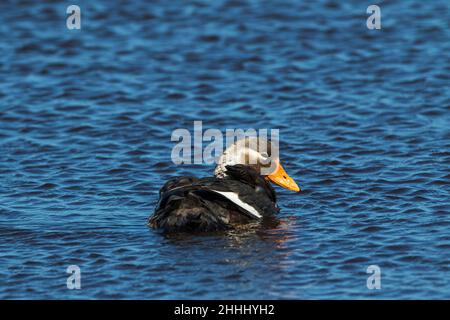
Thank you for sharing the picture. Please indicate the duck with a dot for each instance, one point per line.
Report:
(240, 192)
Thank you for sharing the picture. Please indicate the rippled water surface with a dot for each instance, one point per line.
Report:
(85, 124)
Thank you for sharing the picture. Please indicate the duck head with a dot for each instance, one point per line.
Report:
(261, 155)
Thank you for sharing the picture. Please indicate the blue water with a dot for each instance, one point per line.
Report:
(86, 118)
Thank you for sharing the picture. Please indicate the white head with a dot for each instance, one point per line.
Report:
(260, 154)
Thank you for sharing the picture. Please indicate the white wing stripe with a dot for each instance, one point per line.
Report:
(233, 197)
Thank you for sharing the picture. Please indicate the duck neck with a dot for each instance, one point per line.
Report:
(220, 171)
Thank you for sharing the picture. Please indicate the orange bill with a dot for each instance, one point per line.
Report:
(281, 178)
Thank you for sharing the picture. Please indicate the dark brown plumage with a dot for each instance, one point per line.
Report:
(211, 204)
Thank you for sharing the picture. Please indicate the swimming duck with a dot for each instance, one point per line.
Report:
(238, 193)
